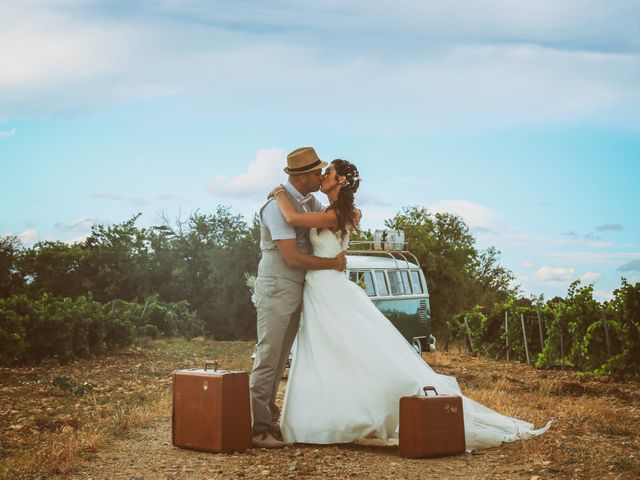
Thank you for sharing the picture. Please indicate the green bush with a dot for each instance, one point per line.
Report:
(573, 328)
(64, 328)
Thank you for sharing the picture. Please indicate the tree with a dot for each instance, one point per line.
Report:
(212, 254)
(10, 278)
(52, 267)
(626, 307)
(446, 251)
(116, 262)
(493, 282)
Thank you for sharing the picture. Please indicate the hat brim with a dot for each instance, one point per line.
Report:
(312, 169)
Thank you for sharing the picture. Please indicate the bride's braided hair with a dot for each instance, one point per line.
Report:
(346, 211)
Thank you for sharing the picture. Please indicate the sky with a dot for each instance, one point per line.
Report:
(522, 117)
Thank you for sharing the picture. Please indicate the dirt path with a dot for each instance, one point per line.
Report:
(148, 455)
(122, 429)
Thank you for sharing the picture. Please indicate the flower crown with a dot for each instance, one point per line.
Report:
(352, 178)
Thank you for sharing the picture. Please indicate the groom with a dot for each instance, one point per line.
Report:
(286, 255)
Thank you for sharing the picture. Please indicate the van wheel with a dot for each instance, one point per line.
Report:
(417, 346)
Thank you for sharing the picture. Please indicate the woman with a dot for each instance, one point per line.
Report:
(351, 365)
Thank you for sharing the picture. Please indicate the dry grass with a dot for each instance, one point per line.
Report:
(47, 431)
(60, 452)
(596, 432)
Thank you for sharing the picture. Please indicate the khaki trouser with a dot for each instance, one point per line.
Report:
(278, 302)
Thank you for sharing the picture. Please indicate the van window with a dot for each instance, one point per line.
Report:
(364, 280)
(395, 282)
(381, 283)
(417, 284)
(407, 282)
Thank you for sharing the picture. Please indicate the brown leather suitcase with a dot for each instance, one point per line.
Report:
(211, 410)
(431, 426)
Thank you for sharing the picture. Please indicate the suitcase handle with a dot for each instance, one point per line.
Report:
(427, 388)
(209, 363)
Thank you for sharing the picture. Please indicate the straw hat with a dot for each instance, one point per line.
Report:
(303, 160)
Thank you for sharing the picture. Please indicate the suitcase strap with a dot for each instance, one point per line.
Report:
(428, 388)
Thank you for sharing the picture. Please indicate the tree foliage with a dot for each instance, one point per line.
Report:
(187, 277)
(459, 276)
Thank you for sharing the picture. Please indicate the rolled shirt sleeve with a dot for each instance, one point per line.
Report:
(275, 222)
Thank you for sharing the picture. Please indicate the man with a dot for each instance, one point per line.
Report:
(286, 255)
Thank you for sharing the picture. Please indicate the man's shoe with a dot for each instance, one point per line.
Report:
(276, 433)
(266, 440)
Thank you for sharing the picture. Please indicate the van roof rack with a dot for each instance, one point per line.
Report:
(367, 247)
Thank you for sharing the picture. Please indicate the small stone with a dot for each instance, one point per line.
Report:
(187, 469)
(298, 453)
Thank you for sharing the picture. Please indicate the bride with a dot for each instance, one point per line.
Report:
(351, 365)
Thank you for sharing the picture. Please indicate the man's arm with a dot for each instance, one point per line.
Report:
(304, 261)
(317, 219)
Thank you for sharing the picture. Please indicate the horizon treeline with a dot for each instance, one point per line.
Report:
(196, 268)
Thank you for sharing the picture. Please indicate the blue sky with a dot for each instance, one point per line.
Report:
(522, 117)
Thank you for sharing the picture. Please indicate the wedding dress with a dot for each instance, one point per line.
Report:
(351, 366)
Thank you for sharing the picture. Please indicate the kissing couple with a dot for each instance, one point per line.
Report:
(351, 365)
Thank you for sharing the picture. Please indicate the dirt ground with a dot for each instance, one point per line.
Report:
(122, 429)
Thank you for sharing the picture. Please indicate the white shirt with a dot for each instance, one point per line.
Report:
(275, 222)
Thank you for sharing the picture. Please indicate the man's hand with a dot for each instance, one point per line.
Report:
(273, 192)
(342, 261)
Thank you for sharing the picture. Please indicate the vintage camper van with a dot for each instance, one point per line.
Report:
(394, 281)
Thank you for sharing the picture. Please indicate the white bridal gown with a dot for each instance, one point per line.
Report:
(351, 366)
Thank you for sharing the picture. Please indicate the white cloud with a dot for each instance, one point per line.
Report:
(516, 237)
(474, 214)
(28, 237)
(632, 266)
(603, 258)
(263, 174)
(171, 196)
(602, 295)
(83, 223)
(528, 264)
(438, 63)
(138, 201)
(609, 226)
(7, 133)
(106, 195)
(78, 239)
(373, 217)
(589, 277)
(371, 199)
(418, 181)
(549, 274)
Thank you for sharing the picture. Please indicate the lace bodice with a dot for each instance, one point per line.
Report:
(327, 243)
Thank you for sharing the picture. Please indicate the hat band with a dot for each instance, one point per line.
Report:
(306, 167)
